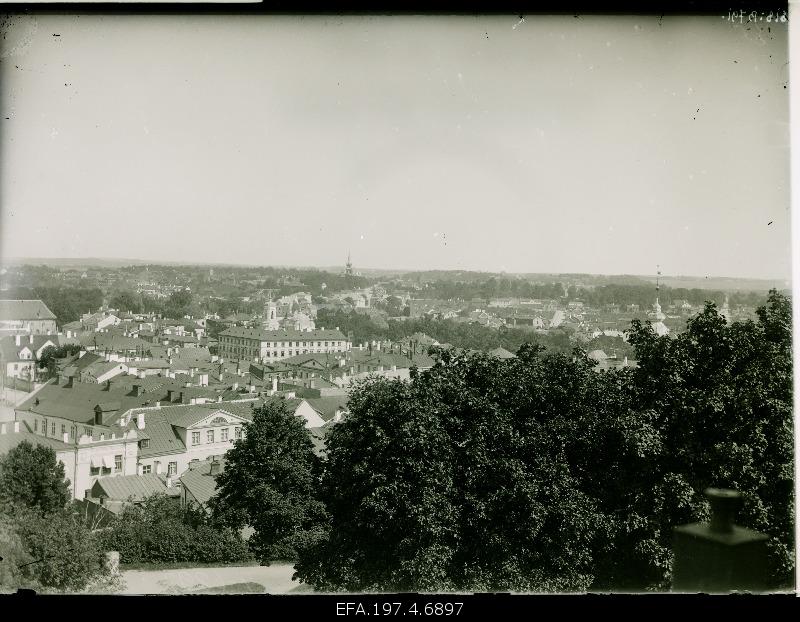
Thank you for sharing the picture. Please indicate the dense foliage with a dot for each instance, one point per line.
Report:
(32, 476)
(459, 334)
(539, 473)
(160, 530)
(60, 553)
(44, 543)
(269, 484)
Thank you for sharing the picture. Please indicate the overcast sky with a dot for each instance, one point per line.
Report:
(553, 144)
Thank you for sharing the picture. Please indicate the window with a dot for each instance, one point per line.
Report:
(195, 438)
(147, 469)
(118, 463)
(172, 468)
(63, 429)
(35, 425)
(224, 434)
(105, 471)
(237, 433)
(144, 443)
(210, 436)
(53, 428)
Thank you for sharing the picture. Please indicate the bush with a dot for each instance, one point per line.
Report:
(160, 531)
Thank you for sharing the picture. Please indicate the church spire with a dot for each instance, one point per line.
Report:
(348, 270)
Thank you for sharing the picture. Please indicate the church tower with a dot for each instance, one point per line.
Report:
(271, 316)
(348, 270)
(659, 326)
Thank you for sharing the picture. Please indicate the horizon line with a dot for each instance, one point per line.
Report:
(135, 261)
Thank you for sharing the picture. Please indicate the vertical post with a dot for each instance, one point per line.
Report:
(719, 556)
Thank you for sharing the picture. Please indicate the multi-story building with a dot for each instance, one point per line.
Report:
(273, 345)
(29, 317)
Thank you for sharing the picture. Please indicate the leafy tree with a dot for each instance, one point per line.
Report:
(178, 304)
(541, 473)
(456, 480)
(269, 484)
(51, 552)
(721, 398)
(32, 476)
(49, 358)
(160, 530)
(127, 300)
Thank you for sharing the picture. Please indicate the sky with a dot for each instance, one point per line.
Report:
(596, 144)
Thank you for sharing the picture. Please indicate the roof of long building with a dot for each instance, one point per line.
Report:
(283, 335)
(25, 310)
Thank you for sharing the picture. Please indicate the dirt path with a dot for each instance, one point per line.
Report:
(276, 579)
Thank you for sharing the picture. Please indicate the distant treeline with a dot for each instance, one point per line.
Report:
(617, 294)
(458, 334)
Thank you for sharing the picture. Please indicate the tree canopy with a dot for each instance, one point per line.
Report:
(269, 484)
(32, 476)
(540, 473)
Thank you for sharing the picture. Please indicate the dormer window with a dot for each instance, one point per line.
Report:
(144, 443)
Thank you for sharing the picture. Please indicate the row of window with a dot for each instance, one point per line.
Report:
(211, 435)
(282, 344)
(107, 470)
(172, 469)
(73, 431)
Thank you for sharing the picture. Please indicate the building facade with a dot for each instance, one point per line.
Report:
(266, 345)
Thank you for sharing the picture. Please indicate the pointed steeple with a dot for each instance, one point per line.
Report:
(658, 315)
(349, 267)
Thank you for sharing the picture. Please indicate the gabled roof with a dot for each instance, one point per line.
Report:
(502, 353)
(25, 310)
(9, 350)
(328, 406)
(128, 487)
(77, 403)
(195, 414)
(103, 367)
(199, 482)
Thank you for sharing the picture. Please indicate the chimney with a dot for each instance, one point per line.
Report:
(274, 384)
(108, 384)
(16, 427)
(70, 382)
(170, 395)
(251, 388)
(140, 420)
(17, 340)
(235, 386)
(158, 467)
(31, 339)
(137, 390)
(2, 428)
(216, 467)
